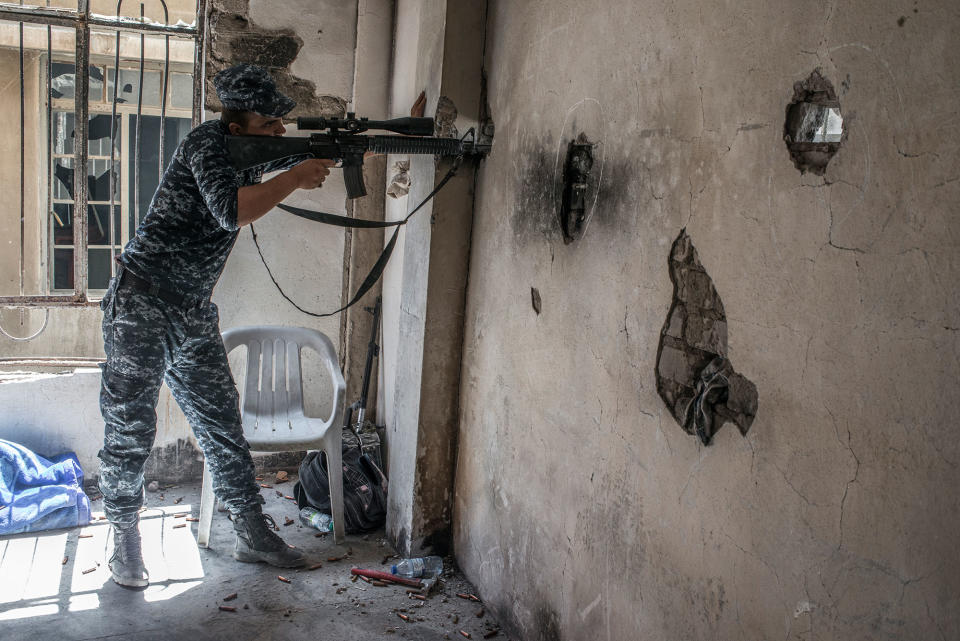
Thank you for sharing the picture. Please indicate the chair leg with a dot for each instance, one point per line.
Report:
(207, 501)
(332, 446)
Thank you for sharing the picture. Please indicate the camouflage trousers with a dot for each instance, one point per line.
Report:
(148, 341)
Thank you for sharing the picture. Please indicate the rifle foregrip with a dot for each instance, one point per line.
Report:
(405, 145)
(353, 181)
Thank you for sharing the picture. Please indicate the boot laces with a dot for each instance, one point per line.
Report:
(271, 526)
(261, 526)
(129, 544)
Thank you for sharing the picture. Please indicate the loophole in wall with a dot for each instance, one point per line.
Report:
(813, 129)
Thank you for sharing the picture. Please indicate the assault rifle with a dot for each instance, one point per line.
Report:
(373, 351)
(343, 141)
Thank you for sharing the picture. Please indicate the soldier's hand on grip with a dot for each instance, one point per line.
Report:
(311, 173)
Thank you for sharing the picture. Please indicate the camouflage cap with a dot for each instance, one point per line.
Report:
(247, 87)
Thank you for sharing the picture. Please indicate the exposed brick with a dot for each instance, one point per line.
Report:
(235, 38)
(707, 334)
(675, 323)
(694, 335)
(675, 366)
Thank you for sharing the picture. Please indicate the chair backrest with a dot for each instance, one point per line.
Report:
(272, 396)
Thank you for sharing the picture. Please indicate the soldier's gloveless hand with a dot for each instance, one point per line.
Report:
(311, 173)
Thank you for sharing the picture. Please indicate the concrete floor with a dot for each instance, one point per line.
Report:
(47, 590)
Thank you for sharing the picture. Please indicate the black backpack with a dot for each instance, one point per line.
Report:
(364, 489)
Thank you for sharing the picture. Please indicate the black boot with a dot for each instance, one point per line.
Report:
(126, 564)
(257, 541)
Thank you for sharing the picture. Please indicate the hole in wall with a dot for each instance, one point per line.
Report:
(813, 129)
(584, 124)
(576, 180)
(535, 300)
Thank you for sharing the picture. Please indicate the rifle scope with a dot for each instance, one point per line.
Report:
(350, 124)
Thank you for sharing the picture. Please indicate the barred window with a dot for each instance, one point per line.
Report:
(109, 87)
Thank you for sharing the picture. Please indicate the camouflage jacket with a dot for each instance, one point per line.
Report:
(183, 242)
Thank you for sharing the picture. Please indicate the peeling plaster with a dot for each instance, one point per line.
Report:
(694, 377)
(236, 38)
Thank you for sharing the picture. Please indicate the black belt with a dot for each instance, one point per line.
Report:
(130, 280)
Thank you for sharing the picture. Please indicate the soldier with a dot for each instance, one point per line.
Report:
(159, 323)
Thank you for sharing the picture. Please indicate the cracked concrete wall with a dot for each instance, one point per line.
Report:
(582, 511)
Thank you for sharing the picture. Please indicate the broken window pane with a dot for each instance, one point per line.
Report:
(129, 89)
(98, 179)
(63, 179)
(179, 88)
(98, 225)
(63, 131)
(62, 223)
(181, 91)
(37, 218)
(96, 84)
(63, 81)
(98, 132)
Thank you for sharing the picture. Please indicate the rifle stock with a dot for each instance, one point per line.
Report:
(249, 151)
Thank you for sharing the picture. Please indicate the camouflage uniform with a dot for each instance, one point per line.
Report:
(181, 248)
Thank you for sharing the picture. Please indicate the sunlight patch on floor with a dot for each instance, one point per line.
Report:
(46, 573)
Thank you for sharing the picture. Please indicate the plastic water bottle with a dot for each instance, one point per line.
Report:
(314, 518)
(428, 566)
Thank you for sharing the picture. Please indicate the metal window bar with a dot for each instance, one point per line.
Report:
(136, 142)
(199, 50)
(113, 150)
(81, 96)
(49, 74)
(23, 142)
(163, 93)
(82, 20)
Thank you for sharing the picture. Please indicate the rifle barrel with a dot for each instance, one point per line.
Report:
(372, 352)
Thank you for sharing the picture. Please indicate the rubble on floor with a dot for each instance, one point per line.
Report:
(201, 593)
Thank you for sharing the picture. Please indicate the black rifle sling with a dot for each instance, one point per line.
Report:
(339, 221)
(343, 221)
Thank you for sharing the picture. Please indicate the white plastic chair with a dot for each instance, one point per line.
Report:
(272, 407)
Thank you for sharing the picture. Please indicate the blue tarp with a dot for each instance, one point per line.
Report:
(37, 494)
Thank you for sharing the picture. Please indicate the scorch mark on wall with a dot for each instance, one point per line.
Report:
(584, 117)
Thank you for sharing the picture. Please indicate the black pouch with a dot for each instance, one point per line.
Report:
(364, 490)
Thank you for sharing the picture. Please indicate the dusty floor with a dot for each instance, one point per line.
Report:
(48, 590)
